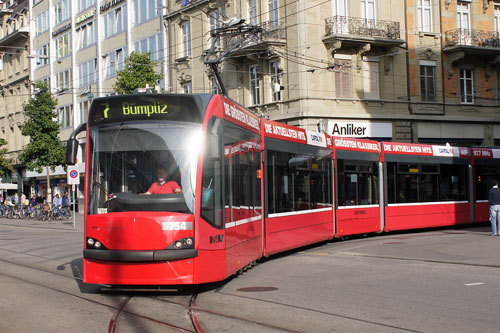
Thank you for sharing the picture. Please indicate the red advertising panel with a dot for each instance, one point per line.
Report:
(275, 130)
(240, 116)
(485, 153)
(423, 149)
(368, 146)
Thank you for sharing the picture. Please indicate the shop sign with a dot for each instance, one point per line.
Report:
(360, 129)
(61, 29)
(85, 16)
(109, 4)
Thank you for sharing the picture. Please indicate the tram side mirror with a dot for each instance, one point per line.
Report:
(71, 151)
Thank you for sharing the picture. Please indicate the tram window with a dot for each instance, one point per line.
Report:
(485, 175)
(241, 162)
(408, 168)
(357, 183)
(426, 183)
(298, 181)
(430, 168)
(453, 183)
(211, 192)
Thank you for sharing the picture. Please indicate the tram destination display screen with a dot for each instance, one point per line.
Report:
(150, 107)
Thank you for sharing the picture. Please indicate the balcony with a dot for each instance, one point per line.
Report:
(271, 33)
(354, 31)
(472, 41)
(17, 35)
(475, 45)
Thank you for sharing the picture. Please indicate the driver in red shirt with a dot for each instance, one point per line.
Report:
(162, 186)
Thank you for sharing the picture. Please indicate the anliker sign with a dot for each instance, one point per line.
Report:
(360, 129)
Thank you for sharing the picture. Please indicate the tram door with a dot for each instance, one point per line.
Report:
(242, 196)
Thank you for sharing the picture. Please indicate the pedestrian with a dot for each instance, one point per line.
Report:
(494, 199)
(57, 201)
(65, 199)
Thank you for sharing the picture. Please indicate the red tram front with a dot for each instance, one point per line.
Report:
(209, 230)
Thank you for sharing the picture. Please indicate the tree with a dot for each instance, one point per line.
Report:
(5, 163)
(137, 73)
(44, 149)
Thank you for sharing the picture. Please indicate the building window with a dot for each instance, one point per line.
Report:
(371, 79)
(428, 81)
(151, 44)
(466, 86)
(275, 72)
(186, 39)
(42, 56)
(63, 45)
(86, 35)
(146, 10)
(368, 9)
(65, 115)
(84, 4)
(87, 72)
(187, 88)
(84, 111)
(343, 79)
(252, 12)
(115, 21)
(42, 23)
(214, 87)
(424, 8)
(254, 85)
(62, 11)
(64, 79)
(273, 13)
(215, 24)
(113, 62)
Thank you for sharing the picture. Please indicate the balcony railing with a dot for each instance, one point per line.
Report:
(468, 37)
(344, 25)
(271, 31)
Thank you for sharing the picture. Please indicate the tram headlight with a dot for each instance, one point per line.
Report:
(95, 244)
(183, 243)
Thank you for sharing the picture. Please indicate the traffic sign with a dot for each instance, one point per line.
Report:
(73, 175)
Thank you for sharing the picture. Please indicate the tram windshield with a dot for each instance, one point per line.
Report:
(128, 159)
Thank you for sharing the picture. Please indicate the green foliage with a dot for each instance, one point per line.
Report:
(44, 148)
(5, 164)
(136, 73)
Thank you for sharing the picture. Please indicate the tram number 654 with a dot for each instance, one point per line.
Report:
(176, 226)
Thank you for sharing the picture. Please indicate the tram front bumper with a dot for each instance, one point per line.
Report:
(138, 256)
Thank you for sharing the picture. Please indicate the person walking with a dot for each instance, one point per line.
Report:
(65, 199)
(57, 201)
(494, 199)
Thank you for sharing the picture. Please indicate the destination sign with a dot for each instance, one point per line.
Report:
(144, 107)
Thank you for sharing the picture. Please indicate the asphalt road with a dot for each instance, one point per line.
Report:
(444, 280)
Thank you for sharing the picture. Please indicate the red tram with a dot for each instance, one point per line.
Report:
(250, 188)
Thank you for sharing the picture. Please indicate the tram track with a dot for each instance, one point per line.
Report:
(120, 310)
